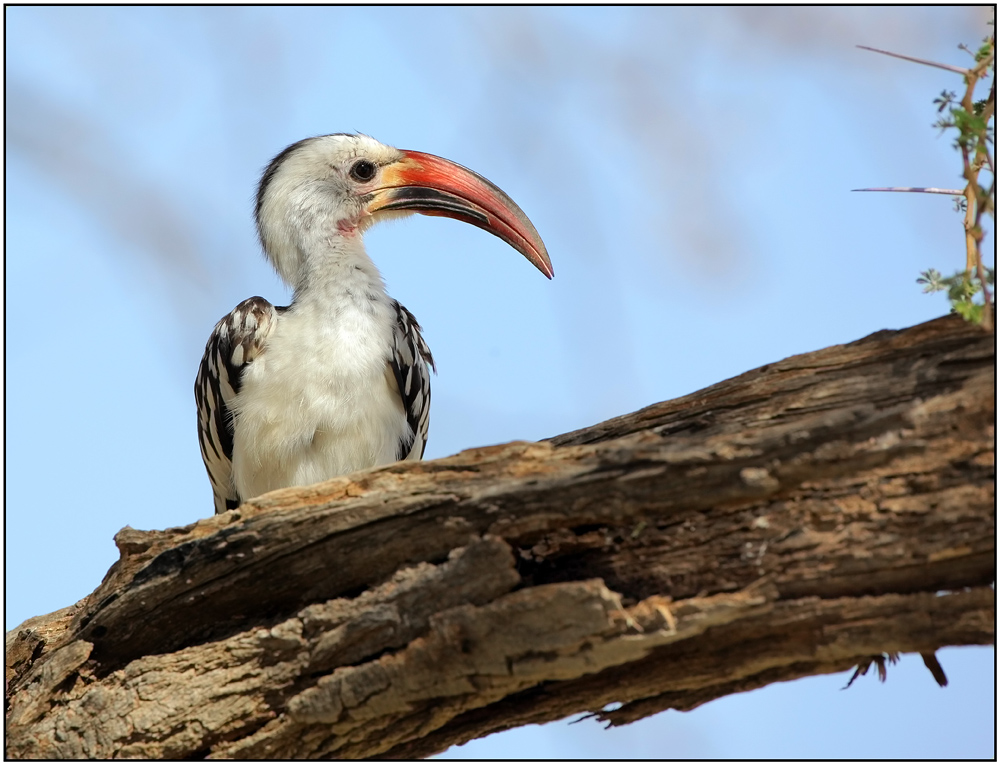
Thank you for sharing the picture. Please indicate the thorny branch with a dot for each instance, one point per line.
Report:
(972, 121)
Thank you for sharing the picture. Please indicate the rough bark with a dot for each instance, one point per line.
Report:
(791, 521)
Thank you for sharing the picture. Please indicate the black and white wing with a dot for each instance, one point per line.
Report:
(235, 342)
(411, 364)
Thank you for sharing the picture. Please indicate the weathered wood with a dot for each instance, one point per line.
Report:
(795, 519)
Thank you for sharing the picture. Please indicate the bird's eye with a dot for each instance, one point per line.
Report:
(363, 170)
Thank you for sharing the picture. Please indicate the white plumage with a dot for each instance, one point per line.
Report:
(339, 380)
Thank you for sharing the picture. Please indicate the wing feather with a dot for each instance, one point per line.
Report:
(411, 365)
(235, 342)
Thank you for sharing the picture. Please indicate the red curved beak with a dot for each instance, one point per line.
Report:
(432, 185)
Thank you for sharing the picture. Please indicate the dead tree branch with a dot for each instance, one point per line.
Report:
(791, 521)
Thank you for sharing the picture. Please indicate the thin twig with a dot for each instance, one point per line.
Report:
(987, 309)
(918, 189)
(948, 67)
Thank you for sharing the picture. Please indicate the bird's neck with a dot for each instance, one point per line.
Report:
(336, 271)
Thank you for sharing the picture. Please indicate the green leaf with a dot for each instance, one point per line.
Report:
(931, 279)
(971, 312)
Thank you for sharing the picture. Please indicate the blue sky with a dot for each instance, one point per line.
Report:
(690, 172)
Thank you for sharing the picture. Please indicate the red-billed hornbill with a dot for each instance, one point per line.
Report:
(337, 381)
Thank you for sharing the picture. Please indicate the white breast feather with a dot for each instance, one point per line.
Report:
(317, 403)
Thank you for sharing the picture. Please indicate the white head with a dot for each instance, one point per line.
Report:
(339, 185)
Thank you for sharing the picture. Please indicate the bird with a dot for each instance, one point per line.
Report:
(339, 379)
